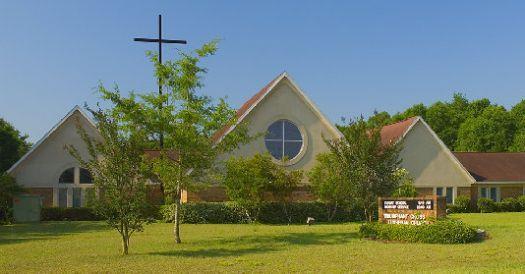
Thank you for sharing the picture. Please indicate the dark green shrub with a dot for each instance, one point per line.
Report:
(521, 201)
(509, 205)
(68, 214)
(461, 205)
(444, 231)
(270, 213)
(486, 205)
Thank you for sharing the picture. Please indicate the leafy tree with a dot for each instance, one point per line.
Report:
(13, 145)
(327, 183)
(378, 119)
(116, 164)
(248, 180)
(8, 189)
(415, 110)
(282, 184)
(367, 166)
(518, 114)
(187, 121)
(492, 131)
(406, 186)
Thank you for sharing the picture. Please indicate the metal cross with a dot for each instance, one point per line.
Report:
(160, 41)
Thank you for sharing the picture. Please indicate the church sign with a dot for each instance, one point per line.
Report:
(411, 210)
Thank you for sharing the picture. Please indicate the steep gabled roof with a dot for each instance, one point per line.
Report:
(249, 105)
(395, 132)
(53, 129)
(494, 166)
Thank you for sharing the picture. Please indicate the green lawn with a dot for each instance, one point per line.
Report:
(91, 247)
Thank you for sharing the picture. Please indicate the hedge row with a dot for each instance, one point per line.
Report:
(462, 205)
(444, 231)
(68, 214)
(83, 214)
(269, 213)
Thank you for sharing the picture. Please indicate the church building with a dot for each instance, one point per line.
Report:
(293, 128)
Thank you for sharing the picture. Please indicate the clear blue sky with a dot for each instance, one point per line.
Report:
(349, 57)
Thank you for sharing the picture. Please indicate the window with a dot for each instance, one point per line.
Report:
(77, 192)
(439, 191)
(450, 195)
(62, 197)
(489, 192)
(85, 176)
(67, 177)
(447, 192)
(283, 140)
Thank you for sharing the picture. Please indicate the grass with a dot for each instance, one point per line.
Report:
(91, 247)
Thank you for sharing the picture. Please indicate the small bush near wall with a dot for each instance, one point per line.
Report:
(68, 214)
(270, 213)
(444, 231)
(486, 205)
(509, 205)
(461, 205)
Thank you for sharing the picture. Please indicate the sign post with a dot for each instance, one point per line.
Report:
(411, 210)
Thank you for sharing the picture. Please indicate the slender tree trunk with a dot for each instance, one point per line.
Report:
(176, 225)
(125, 240)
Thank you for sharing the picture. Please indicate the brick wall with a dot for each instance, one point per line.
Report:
(464, 191)
(511, 191)
(45, 192)
(424, 191)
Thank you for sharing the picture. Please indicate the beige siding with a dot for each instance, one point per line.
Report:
(284, 103)
(44, 165)
(427, 161)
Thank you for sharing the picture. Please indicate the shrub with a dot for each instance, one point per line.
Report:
(68, 214)
(509, 205)
(461, 205)
(443, 231)
(521, 201)
(486, 205)
(83, 214)
(270, 213)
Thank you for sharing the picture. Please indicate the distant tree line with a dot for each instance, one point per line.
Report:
(463, 125)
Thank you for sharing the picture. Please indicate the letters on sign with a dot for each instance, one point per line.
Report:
(411, 210)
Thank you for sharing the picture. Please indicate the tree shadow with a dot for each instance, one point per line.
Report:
(45, 230)
(260, 244)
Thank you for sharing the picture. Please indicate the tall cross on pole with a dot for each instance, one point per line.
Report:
(160, 41)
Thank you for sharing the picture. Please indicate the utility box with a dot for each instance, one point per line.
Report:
(27, 208)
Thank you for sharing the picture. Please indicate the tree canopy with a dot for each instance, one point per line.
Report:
(467, 125)
(13, 145)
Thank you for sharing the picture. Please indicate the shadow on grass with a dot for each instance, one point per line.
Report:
(18, 233)
(260, 244)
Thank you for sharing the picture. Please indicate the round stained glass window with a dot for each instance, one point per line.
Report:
(283, 140)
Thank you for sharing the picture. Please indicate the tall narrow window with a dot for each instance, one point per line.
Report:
(493, 194)
(77, 193)
(439, 191)
(450, 195)
(283, 140)
(62, 197)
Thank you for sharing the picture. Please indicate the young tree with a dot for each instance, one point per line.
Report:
(12, 145)
(328, 184)
(8, 189)
(116, 164)
(406, 186)
(366, 165)
(248, 180)
(187, 122)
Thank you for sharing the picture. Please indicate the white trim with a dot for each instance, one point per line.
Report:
(483, 183)
(299, 92)
(447, 151)
(53, 129)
